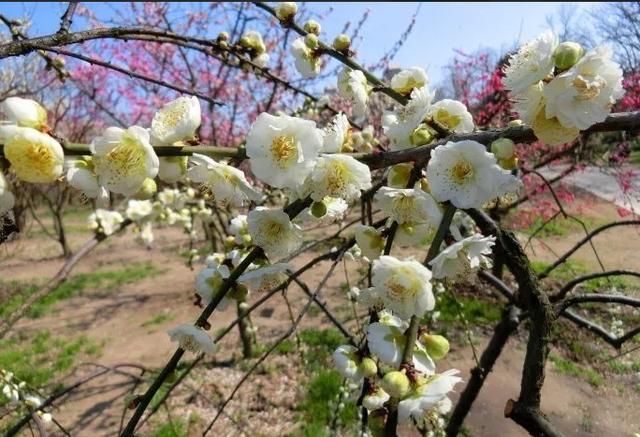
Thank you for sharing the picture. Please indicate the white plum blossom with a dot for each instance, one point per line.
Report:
(375, 399)
(282, 149)
(386, 341)
(408, 79)
(33, 401)
(532, 63)
(337, 135)
(451, 115)
(346, 361)
(227, 184)
(123, 159)
(465, 174)
(209, 282)
(339, 175)
(404, 286)
(82, 176)
(138, 209)
(7, 199)
(34, 156)
(239, 227)
(192, 338)
(529, 102)
(266, 278)
(262, 60)
(412, 234)
(353, 86)
(429, 392)
(458, 258)
(145, 234)
(399, 124)
(10, 391)
(24, 112)
(172, 168)
(272, 230)
(409, 205)
(583, 95)
(105, 221)
(370, 241)
(176, 121)
(307, 62)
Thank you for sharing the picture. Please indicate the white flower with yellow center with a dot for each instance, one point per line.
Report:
(239, 227)
(386, 340)
(172, 168)
(532, 63)
(209, 282)
(307, 62)
(406, 205)
(465, 174)
(462, 256)
(398, 125)
(272, 230)
(124, 159)
(176, 121)
(583, 95)
(407, 80)
(192, 339)
(228, 185)
(337, 135)
(404, 286)
(427, 395)
(138, 209)
(353, 86)
(24, 112)
(451, 115)
(346, 361)
(34, 156)
(104, 221)
(338, 175)
(7, 199)
(266, 278)
(283, 149)
(370, 241)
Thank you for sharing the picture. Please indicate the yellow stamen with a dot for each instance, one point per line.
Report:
(284, 150)
(462, 172)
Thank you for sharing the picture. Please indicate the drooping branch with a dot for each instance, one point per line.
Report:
(597, 298)
(569, 286)
(598, 330)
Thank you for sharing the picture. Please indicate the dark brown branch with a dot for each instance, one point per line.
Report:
(597, 298)
(67, 17)
(598, 330)
(569, 286)
(498, 284)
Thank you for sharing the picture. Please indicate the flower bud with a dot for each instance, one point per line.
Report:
(318, 209)
(147, 190)
(567, 55)
(396, 383)
(342, 42)
(368, 367)
(59, 63)
(312, 26)
(399, 175)
(508, 163)
(285, 11)
(311, 41)
(223, 36)
(422, 135)
(246, 239)
(437, 346)
(503, 148)
(514, 123)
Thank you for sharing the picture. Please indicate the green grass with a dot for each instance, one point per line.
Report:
(173, 428)
(475, 311)
(570, 368)
(40, 359)
(564, 272)
(159, 318)
(104, 280)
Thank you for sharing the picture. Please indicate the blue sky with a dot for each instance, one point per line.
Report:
(440, 28)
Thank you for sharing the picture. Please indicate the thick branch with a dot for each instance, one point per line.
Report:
(569, 286)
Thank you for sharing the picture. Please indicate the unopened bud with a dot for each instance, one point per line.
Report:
(285, 11)
(509, 163)
(147, 190)
(223, 36)
(396, 383)
(399, 175)
(422, 135)
(503, 148)
(342, 42)
(246, 239)
(311, 41)
(368, 367)
(318, 209)
(437, 346)
(312, 26)
(567, 55)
